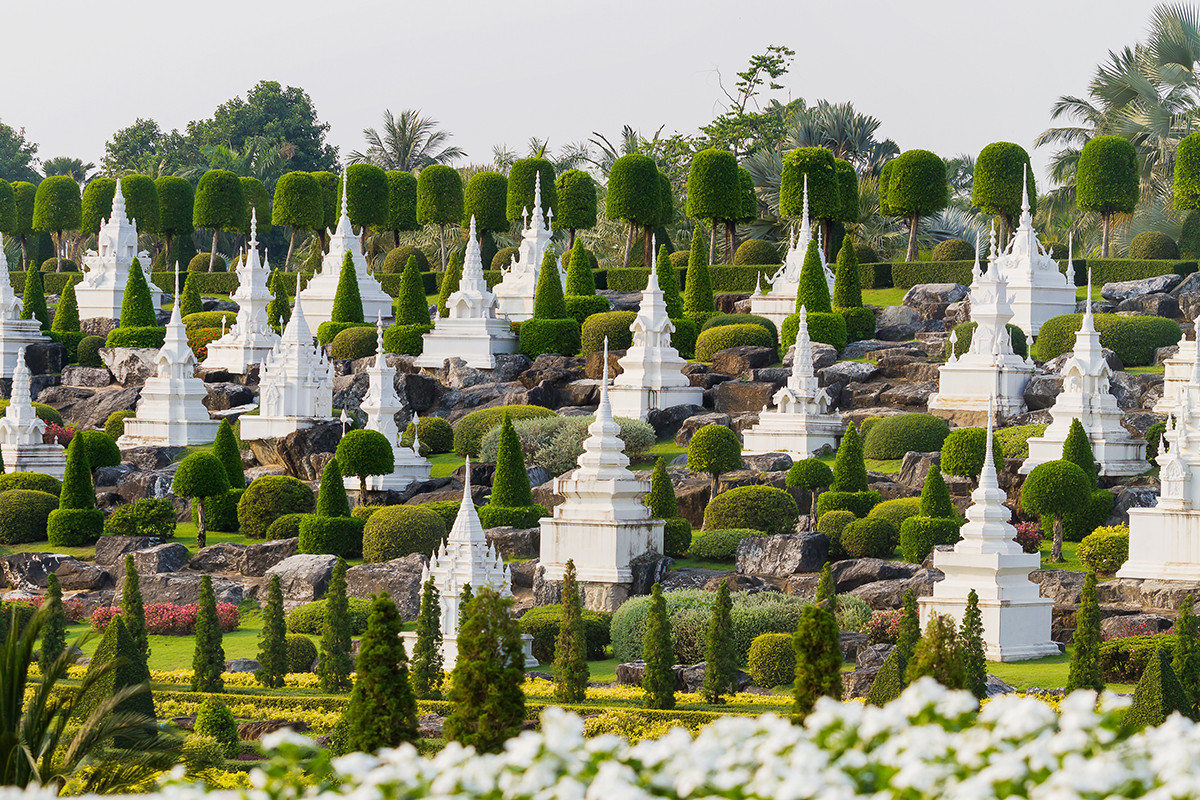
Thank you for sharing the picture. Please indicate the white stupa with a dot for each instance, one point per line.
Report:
(472, 332)
(317, 296)
(604, 523)
(106, 269)
(779, 302)
(990, 371)
(382, 404)
(251, 338)
(517, 287)
(1036, 289)
(1177, 374)
(465, 558)
(652, 370)
(295, 384)
(21, 431)
(1016, 618)
(802, 421)
(1086, 396)
(15, 333)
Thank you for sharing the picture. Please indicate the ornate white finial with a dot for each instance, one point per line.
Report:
(1087, 303)
(466, 478)
(346, 191)
(804, 215)
(604, 380)
(977, 267)
(345, 420)
(379, 359)
(1025, 190)
(416, 445)
(989, 460)
(253, 228)
(118, 203)
(537, 197)
(992, 243)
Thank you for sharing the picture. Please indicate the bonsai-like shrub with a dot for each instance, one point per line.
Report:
(714, 449)
(200, 475)
(1055, 489)
(757, 252)
(725, 336)
(363, 453)
(810, 474)
(435, 434)
(1001, 170)
(1105, 549)
(762, 508)
(892, 437)
(772, 660)
(869, 538)
(301, 654)
(963, 334)
(398, 531)
(216, 721)
(270, 497)
(1153, 245)
(24, 514)
(613, 325)
(953, 250)
(200, 263)
(963, 451)
(469, 431)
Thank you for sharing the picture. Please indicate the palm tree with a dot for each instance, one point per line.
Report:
(408, 143)
(73, 167)
(848, 134)
(259, 158)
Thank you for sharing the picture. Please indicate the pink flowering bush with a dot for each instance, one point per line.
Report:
(883, 627)
(73, 608)
(1124, 629)
(1029, 536)
(168, 619)
(58, 434)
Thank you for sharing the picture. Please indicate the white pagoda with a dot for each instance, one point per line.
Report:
(251, 338)
(1177, 374)
(15, 333)
(779, 302)
(802, 421)
(317, 296)
(652, 370)
(516, 290)
(295, 384)
(990, 371)
(21, 430)
(106, 269)
(171, 410)
(1016, 618)
(604, 523)
(1036, 289)
(472, 332)
(1086, 396)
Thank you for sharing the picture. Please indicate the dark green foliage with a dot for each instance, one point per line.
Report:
(548, 300)
(580, 280)
(435, 433)
(771, 660)
(57, 207)
(521, 183)
(661, 498)
(449, 285)
(1186, 658)
(719, 545)
(813, 292)
(920, 534)
(330, 200)
(1133, 339)
(485, 687)
(347, 302)
(366, 195)
(270, 497)
(258, 204)
(818, 660)
(999, 171)
(225, 448)
(826, 591)
(1107, 179)
(150, 336)
(953, 250)
(860, 323)
(285, 527)
(974, 660)
(96, 204)
(53, 264)
(37, 481)
(209, 658)
(402, 202)
(398, 531)
(1078, 450)
(762, 508)
(301, 653)
(201, 262)
(510, 485)
(74, 527)
(1153, 245)
(54, 628)
(1187, 172)
(201, 475)
(24, 514)
(220, 511)
(272, 641)
(570, 651)
(684, 337)
(137, 307)
(859, 503)
(873, 537)
(331, 495)
(755, 252)
(712, 186)
(910, 627)
(847, 283)
(133, 612)
(176, 201)
(335, 664)
(633, 190)
(698, 297)
(1055, 489)
(141, 202)
(397, 259)
(576, 201)
(824, 200)
(298, 202)
(216, 722)
(917, 184)
(405, 339)
(503, 257)
(721, 659)
(939, 655)
(439, 195)
(714, 449)
(1158, 695)
(963, 452)
(190, 302)
(722, 337)
(8, 208)
(658, 679)
(77, 490)
(362, 453)
(894, 436)
(427, 651)
(102, 451)
(1085, 670)
(34, 299)
(484, 200)
(220, 201)
(677, 537)
(580, 307)
(889, 681)
(849, 469)
(827, 328)
(116, 666)
(719, 320)
(847, 180)
(668, 281)
(382, 711)
(469, 431)
(935, 496)
(1154, 435)
(810, 474)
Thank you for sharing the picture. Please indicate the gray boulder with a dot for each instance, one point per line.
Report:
(183, 588)
(513, 542)
(1042, 391)
(857, 683)
(261, 556)
(689, 427)
(161, 558)
(1134, 625)
(222, 557)
(873, 656)
(90, 377)
(896, 324)
(30, 571)
(304, 577)
(400, 577)
(824, 355)
(742, 359)
(848, 372)
(130, 366)
(1124, 290)
(242, 665)
(693, 678)
(111, 550)
(1158, 304)
(852, 573)
(782, 555)
(932, 294)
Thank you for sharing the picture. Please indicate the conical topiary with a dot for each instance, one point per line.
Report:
(826, 588)
(33, 301)
(336, 664)
(661, 498)
(668, 281)
(133, 610)
(427, 665)
(347, 302)
(910, 627)
(279, 310)
(1085, 671)
(849, 468)
(813, 292)
(580, 280)
(818, 660)
(331, 498)
(118, 667)
(189, 298)
(698, 296)
(1158, 695)
(889, 681)
(450, 282)
(208, 657)
(510, 485)
(225, 448)
(411, 308)
(382, 711)
(66, 315)
(137, 307)
(935, 496)
(847, 280)
(721, 659)
(974, 658)
(54, 631)
(548, 301)
(658, 679)
(77, 489)
(1078, 450)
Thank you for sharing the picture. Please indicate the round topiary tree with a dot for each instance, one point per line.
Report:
(953, 250)
(57, 207)
(761, 508)
(1187, 172)
(141, 202)
(176, 205)
(522, 180)
(439, 200)
(8, 208)
(714, 449)
(1055, 489)
(25, 197)
(963, 451)
(399, 531)
(484, 201)
(362, 453)
(220, 205)
(200, 475)
(576, 203)
(873, 537)
(402, 204)
(712, 190)
(816, 165)
(366, 195)
(916, 188)
(298, 205)
(757, 252)
(1107, 181)
(270, 497)
(812, 475)
(397, 259)
(1001, 170)
(1153, 245)
(633, 195)
(96, 204)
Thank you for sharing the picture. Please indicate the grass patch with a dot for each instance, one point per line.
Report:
(665, 448)
(443, 464)
(1144, 370)
(883, 297)
(1072, 562)
(695, 563)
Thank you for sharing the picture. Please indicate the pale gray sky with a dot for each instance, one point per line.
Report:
(942, 75)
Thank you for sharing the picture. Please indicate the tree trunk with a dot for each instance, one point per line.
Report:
(913, 222)
(212, 252)
(395, 238)
(291, 246)
(1056, 549)
(442, 237)
(813, 510)
(731, 236)
(57, 251)
(362, 490)
(571, 242)
(628, 246)
(649, 245)
(1106, 218)
(24, 256)
(201, 530)
(712, 243)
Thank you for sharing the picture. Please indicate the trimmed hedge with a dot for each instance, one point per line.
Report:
(469, 431)
(761, 508)
(744, 334)
(613, 324)
(869, 538)
(146, 516)
(965, 332)
(310, 617)
(1105, 549)
(1014, 440)
(858, 503)
(910, 274)
(1123, 660)
(24, 514)
(398, 531)
(286, 527)
(896, 510)
(1111, 270)
(136, 337)
(542, 623)
(337, 536)
(582, 306)
(919, 535)
(354, 343)
(722, 320)
(88, 351)
(558, 336)
(1133, 339)
(74, 527)
(210, 319)
(268, 498)
(33, 481)
(719, 545)
(677, 537)
(52, 282)
(832, 524)
(492, 516)
(405, 339)
(772, 660)
(210, 283)
(826, 327)
(892, 437)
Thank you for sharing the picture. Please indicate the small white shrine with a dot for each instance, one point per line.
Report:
(518, 286)
(106, 269)
(472, 332)
(1016, 618)
(317, 296)
(465, 558)
(15, 333)
(802, 421)
(1036, 289)
(652, 370)
(21, 430)
(295, 384)
(990, 371)
(381, 405)
(1086, 396)
(779, 302)
(251, 338)
(171, 410)
(604, 523)
(1177, 374)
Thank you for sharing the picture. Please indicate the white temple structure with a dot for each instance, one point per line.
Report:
(106, 269)
(1036, 289)
(15, 333)
(802, 421)
(21, 430)
(251, 338)
(472, 332)
(1016, 618)
(652, 370)
(516, 290)
(317, 296)
(990, 371)
(295, 384)
(779, 302)
(171, 410)
(382, 404)
(1177, 374)
(604, 523)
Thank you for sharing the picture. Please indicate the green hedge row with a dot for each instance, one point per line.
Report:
(1104, 270)
(911, 273)
(52, 282)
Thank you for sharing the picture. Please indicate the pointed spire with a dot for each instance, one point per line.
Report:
(380, 361)
(1025, 190)
(466, 528)
(992, 244)
(537, 198)
(804, 215)
(21, 392)
(346, 192)
(802, 362)
(1088, 324)
(987, 476)
(175, 315)
(118, 204)
(604, 406)
(253, 229)
(976, 268)
(3, 258)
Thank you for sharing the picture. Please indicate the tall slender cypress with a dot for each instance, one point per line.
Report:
(658, 679)
(411, 308)
(133, 610)
(974, 659)
(189, 296)
(382, 711)
(33, 301)
(335, 664)
(1078, 450)
(272, 641)
(570, 650)
(849, 468)
(209, 658)
(225, 448)
(826, 589)
(347, 301)
(54, 630)
(1186, 661)
(720, 653)
(698, 294)
(66, 314)
(668, 281)
(818, 660)
(427, 665)
(910, 627)
(580, 280)
(137, 306)
(1085, 672)
(661, 498)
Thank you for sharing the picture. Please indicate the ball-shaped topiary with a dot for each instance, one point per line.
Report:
(1133, 339)
(338, 536)
(720, 320)
(832, 523)
(88, 352)
(1153, 245)
(964, 332)
(892, 437)
(872, 537)
(677, 537)
(285, 527)
(1103, 550)
(757, 252)
(268, 498)
(772, 660)
(762, 508)
(396, 259)
(896, 510)
(398, 531)
(1001, 169)
(963, 451)
(865, 253)
(613, 325)
(301, 654)
(435, 434)
(215, 721)
(37, 481)
(200, 261)
(354, 343)
(714, 449)
(24, 514)
(55, 265)
(101, 448)
(725, 336)
(953, 250)
(469, 431)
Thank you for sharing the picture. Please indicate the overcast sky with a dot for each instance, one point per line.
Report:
(944, 75)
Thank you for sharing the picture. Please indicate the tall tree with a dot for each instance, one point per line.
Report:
(633, 196)
(522, 183)
(54, 631)
(576, 203)
(814, 166)
(818, 660)
(439, 200)
(658, 679)
(57, 207)
(1085, 671)
(298, 204)
(1002, 169)
(570, 649)
(366, 196)
(335, 664)
(176, 205)
(1107, 181)
(427, 650)
(408, 142)
(382, 711)
(402, 204)
(25, 195)
(220, 205)
(272, 641)
(720, 652)
(916, 188)
(208, 659)
(484, 200)
(18, 156)
(712, 191)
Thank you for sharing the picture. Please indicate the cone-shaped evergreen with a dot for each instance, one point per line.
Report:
(698, 296)
(450, 282)
(548, 300)
(137, 307)
(1078, 450)
(272, 640)
(33, 301)
(910, 628)
(485, 687)
(1158, 694)
(279, 310)
(938, 655)
(335, 664)
(117, 666)
(658, 679)
(1186, 661)
(661, 498)
(427, 663)
(411, 308)
(818, 660)
(331, 497)
(54, 629)
(935, 496)
(813, 291)
(189, 298)
(347, 301)
(826, 589)
(225, 448)
(382, 711)
(208, 660)
(889, 681)
(66, 315)
(580, 280)
(464, 599)
(77, 489)
(133, 610)
(849, 468)
(847, 280)
(1085, 672)
(720, 652)
(668, 281)
(570, 649)
(974, 658)
(510, 485)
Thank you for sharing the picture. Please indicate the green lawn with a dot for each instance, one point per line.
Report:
(886, 466)
(883, 297)
(444, 464)
(1144, 370)
(1072, 561)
